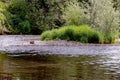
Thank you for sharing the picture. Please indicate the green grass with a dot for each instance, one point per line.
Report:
(82, 33)
(109, 38)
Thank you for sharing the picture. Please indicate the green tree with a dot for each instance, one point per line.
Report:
(102, 16)
(73, 14)
(41, 14)
(18, 21)
(3, 17)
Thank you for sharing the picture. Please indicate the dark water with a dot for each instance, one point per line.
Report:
(60, 67)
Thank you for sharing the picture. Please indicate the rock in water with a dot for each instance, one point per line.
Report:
(31, 42)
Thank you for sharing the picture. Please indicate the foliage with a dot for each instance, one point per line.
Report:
(74, 33)
(41, 14)
(3, 17)
(116, 4)
(22, 27)
(72, 13)
(36, 16)
(101, 15)
(18, 21)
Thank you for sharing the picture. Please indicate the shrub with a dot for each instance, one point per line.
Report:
(46, 35)
(109, 38)
(82, 33)
(84, 39)
(65, 33)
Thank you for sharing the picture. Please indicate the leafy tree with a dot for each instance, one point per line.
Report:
(18, 21)
(41, 14)
(73, 14)
(3, 17)
(102, 16)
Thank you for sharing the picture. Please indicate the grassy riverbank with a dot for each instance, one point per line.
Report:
(82, 33)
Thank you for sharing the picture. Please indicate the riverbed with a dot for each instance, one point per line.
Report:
(57, 60)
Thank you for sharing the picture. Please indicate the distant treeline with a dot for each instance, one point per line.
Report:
(36, 16)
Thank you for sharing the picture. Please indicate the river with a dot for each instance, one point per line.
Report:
(82, 62)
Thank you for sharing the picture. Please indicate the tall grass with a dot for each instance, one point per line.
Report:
(81, 33)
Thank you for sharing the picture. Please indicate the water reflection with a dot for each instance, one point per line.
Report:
(58, 67)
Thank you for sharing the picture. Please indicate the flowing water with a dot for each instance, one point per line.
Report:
(60, 67)
(91, 63)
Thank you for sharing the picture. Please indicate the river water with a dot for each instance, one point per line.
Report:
(96, 62)
(60, 67)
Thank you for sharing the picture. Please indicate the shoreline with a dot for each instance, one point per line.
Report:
(25, 40)
(21, 45)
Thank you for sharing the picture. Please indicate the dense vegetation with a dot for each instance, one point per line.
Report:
(81, 33)
(32, 16)
(36, 16)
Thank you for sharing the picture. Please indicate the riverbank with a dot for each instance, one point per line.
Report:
(26, 40)
(31, 45)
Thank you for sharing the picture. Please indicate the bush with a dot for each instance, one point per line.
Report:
(109, 38)
(82, 33)
(46, 35)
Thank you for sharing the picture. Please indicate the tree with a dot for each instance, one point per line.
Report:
(40, 14)
(73, 14)
(3, 18)
(102, 16)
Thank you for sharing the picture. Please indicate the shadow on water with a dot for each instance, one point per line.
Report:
(58, 67)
